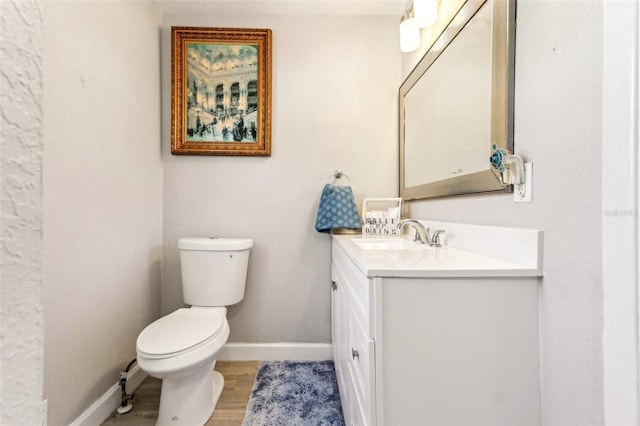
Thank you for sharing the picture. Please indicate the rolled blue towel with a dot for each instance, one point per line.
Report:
(337, 209)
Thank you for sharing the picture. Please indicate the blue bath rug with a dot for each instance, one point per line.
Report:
(296, 394)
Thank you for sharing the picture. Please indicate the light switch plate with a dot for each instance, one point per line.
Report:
(523, 193)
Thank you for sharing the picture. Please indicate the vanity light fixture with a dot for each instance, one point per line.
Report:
(417, 14)
(425, 12)
(409, 31)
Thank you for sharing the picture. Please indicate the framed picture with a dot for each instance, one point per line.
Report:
(220, 91)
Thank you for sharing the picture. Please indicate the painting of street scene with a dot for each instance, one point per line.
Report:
(222, 93)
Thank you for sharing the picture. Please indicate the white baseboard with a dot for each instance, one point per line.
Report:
(100, 410)
(275, 352)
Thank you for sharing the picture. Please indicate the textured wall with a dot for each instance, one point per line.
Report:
(335, 82)
(21, 332)
(558, 115)
(102, 194)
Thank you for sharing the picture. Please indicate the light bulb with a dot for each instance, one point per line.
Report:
(425, 12)
(409, 35)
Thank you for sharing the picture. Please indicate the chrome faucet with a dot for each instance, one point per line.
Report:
(422, 233)
(435, 240)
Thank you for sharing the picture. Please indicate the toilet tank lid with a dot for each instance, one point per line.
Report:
(214, 243)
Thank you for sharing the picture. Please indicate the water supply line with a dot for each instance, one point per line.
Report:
(125, 405)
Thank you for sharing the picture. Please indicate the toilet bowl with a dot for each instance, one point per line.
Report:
(181, 348)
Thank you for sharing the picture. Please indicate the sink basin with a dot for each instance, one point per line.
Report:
(387, 244)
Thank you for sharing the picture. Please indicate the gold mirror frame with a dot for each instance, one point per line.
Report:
(502, 88)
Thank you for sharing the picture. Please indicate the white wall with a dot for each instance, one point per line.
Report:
(22, 332)
(102, 194)
(335, 81)
(558, 116)
(620, 212)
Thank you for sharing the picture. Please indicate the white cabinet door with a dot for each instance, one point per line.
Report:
(339, 337)
(353, 346)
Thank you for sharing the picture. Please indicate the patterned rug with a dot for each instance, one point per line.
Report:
(295, 394)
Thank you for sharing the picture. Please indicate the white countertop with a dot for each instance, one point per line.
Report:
(443, 261)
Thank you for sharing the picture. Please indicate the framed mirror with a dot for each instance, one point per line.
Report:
(457, 102)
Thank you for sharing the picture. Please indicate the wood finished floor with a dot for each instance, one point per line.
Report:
(238, 382)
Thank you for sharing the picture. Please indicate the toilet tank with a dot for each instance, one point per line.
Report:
(213, 270)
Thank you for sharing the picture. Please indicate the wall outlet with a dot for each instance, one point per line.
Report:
(523, 193)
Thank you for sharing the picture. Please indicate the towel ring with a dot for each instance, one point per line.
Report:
(337, 175)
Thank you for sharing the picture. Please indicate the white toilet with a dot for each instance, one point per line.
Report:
(181, 348)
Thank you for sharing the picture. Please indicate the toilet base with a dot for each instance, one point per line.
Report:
(190, 401)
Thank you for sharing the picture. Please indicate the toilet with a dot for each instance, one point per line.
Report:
(181, 348)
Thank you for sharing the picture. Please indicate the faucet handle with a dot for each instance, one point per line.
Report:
(417, 237)
(435, 240)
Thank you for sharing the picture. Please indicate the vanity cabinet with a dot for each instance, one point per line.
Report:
(442, 349)
(353, 344)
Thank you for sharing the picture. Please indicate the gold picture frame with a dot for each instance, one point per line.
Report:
(220, 91)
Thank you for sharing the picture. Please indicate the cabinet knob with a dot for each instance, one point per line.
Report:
(334, 286)
(355, 354)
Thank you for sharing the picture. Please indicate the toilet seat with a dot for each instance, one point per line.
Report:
(180, 332)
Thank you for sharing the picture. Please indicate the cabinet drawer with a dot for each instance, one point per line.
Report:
(357, 415)
(361, 362)
(356, 285)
